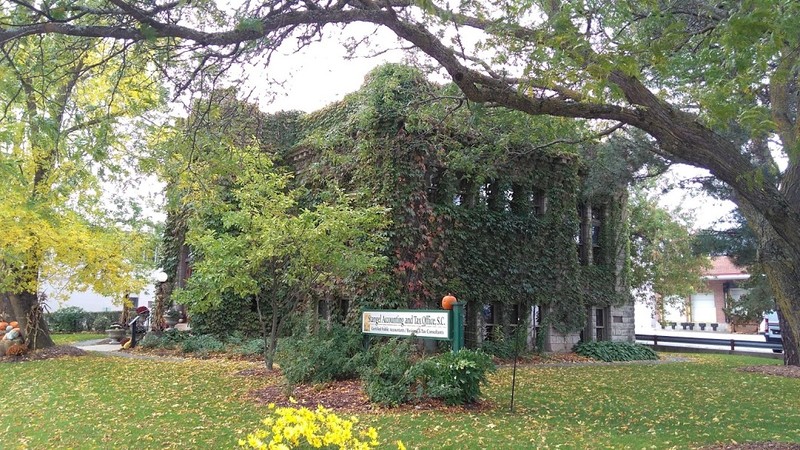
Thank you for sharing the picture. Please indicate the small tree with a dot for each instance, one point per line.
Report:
(253, 239)
(664, 268)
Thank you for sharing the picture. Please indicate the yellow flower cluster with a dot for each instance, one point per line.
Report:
(296, 428)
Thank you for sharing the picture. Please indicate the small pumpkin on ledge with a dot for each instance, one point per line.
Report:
(448, 301)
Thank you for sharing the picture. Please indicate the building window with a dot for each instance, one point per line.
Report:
(599, 324)
(538, 202)
(483, 194)
(519, 203)
(492, 319)
(435, 177)
(507, 197)
(597, 228)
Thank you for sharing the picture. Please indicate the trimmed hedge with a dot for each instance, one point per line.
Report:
(73, 319)
(615, 351)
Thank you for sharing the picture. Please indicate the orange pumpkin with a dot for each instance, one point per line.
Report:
(3, 325)
(14, 324)
(447, 301)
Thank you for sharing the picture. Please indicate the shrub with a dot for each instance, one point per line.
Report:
(101, 323)
(456, 378)
(251, 347)
(389, 380)
(67, 320)
(235, 339)
(503, 346)
(233, 313)
(333, 354)
(292, 428)
(203, 344)
(172, 338)
(615, 351)
(151, 340)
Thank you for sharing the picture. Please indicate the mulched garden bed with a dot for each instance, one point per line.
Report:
(58, 351)
(755, 446)
(346, 396)
(781, 371)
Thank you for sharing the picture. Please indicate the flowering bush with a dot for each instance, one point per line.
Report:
(294, 428)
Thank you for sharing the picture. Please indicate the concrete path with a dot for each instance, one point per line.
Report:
(101, 346)
(98, 345)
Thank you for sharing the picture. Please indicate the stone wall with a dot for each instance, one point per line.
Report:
(623, 327)
(559, 342)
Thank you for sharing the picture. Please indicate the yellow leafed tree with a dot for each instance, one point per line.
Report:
(66, 134)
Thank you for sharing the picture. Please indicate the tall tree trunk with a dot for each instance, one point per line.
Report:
(29, 314)
(785, 284)
(25, 305)
(780, 262)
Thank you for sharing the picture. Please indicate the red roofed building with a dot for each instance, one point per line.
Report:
(707, 307)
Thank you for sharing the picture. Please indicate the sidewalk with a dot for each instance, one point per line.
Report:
(702, 334)
(98, 345)
(757, 337)
(114, 349)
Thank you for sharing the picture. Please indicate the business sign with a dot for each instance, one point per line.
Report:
(419, 322)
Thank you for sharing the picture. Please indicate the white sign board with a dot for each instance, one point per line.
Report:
(421, 323)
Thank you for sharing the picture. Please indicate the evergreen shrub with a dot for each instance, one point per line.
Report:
(503, 346)
(71, 319)
(389, 380)
(615, 351)
(232, 314)
(330, 354)
(101, 323)
(250, 347)
(202, 344)
(151, 340)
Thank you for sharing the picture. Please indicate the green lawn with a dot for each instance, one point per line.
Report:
(70, 338)
(92, 402)
(676, 405)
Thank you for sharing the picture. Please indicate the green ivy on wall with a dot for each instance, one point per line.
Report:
(401, 142)
(467, 187)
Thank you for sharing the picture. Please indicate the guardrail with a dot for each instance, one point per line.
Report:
(731, 344)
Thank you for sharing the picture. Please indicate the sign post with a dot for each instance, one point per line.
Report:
(457, 318)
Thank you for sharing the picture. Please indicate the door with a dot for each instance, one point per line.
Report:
(703, 309)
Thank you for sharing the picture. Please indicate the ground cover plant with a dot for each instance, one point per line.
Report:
(615, 351)
(95, 402)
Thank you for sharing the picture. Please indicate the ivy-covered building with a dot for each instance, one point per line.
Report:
(489, 205)
(485, 204)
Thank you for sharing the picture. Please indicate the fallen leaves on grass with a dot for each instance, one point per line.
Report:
(549, 358)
